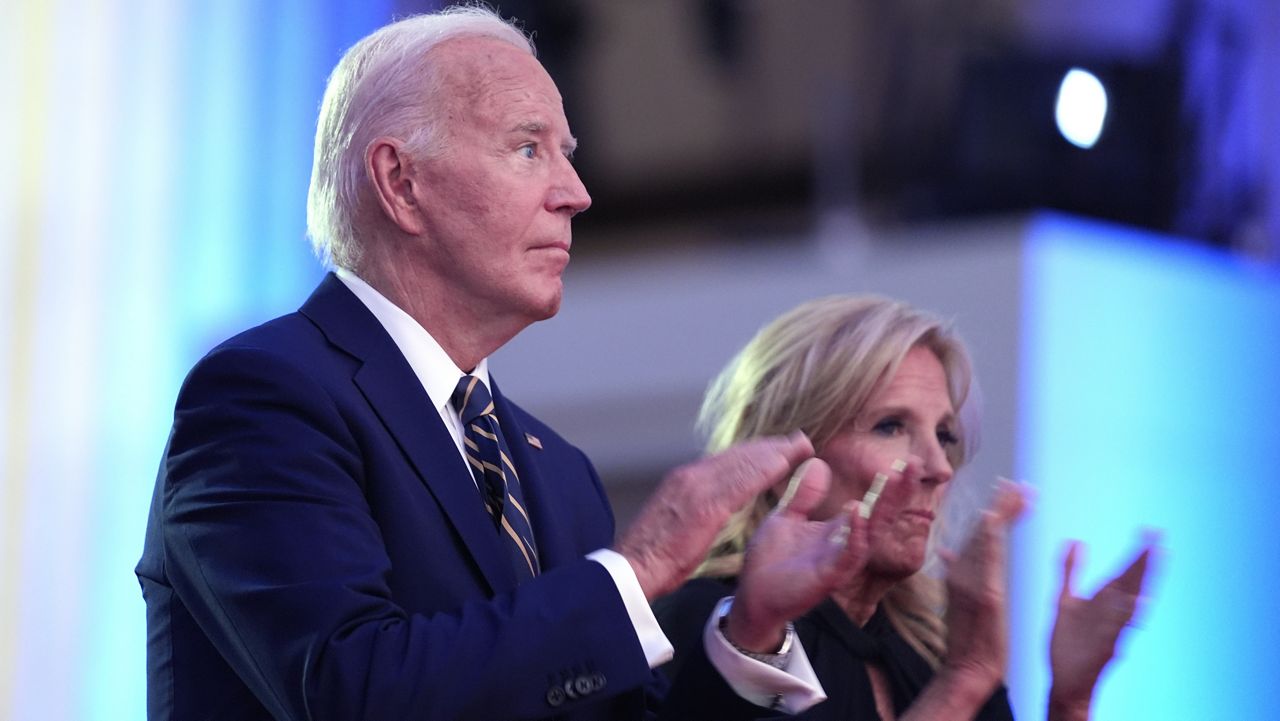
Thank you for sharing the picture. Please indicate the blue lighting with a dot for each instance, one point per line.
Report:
(189, 126)
(1150, 398)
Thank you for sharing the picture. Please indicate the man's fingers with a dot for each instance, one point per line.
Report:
(794, 448)
(807, 488)
(759, 464)
(679, 521)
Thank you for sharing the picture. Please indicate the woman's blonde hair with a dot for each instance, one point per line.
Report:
(813, 369)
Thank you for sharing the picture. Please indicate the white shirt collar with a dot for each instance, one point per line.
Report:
(435, 370)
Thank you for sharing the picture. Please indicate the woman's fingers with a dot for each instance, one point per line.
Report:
(1069, 569)
(1133, 578)
(847, 541)
(1011, 500)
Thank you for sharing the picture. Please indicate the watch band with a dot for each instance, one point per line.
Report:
(779, 659)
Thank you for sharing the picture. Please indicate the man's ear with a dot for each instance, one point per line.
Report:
(394, 183)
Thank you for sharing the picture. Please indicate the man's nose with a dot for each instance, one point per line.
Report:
(568, 193)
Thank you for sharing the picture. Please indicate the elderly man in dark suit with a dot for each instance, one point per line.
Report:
(350, 520)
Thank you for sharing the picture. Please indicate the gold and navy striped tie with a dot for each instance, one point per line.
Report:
(495, 474)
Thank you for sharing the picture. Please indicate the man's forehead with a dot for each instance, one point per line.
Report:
(475, 61)
(495, 79)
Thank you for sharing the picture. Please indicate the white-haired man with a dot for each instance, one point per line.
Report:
(340, 530)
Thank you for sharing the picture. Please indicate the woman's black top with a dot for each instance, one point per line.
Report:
(837, 649)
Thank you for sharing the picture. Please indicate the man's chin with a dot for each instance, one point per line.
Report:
(546, 308)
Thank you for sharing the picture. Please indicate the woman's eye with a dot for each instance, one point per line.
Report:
(947, 438)
(888, 427)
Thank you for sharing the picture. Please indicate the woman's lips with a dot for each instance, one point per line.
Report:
(921, 514)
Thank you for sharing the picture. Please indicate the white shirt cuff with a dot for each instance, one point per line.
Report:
(657, 649)
(792, 689)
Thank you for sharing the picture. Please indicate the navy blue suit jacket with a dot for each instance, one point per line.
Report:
(317, 548)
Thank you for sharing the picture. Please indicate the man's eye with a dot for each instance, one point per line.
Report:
(529, 151)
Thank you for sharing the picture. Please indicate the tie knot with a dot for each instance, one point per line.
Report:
(471, 399)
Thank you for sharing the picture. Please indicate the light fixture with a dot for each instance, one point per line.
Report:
(1081, 109)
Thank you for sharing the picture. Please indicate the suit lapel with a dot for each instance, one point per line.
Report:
(397, 397)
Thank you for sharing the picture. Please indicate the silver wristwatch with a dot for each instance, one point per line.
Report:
(779, 659)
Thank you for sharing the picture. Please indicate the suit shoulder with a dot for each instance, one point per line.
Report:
(289, 334)
(287, 350)
(292, 339)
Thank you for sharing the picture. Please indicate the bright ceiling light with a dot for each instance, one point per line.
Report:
(1081, 109)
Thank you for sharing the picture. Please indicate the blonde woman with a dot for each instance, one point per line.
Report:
(878, 387)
